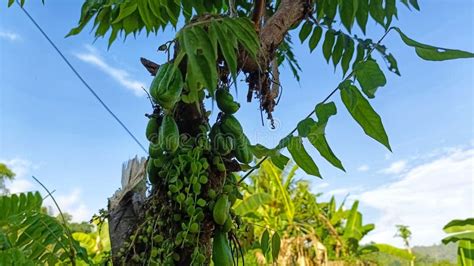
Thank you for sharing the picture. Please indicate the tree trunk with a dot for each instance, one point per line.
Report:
(142, 225)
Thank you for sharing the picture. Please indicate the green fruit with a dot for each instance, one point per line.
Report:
(228, 188)
(152, 129)
(221, 254)
(224, 144)
(168, 137)
(154, 150)
(243, 153)
(230, 125)
(226, 102)
(167, 86)
(194, 228)
(211, 193)
(227, 225)
(152, 172)
(221, 210)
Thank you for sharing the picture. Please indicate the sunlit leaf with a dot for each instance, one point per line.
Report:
(370, 77)
(301, 157)
(456, 226)
(363, 113)
(433, 53)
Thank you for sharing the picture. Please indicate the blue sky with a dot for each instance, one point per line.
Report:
(52, 127)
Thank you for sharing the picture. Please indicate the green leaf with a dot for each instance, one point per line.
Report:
(252, 203)
(362, 15)
(347, 56)
(227, 45)
(324, 111)
(394, 251)
(330, 8)
(353, 223)
(304, 127)
(201, 71)
(433, 53)
(245, 34)
(414, 3)
(466, 253)
(390, 10)
(301, 157)
(361, 110)
(347, 11)
(317, 136)
(125, 11)
(469, 236)
(172, 9)
(146, 14)
(338, 49)
(159, 12)
(265, 241)
(405, 2)
(392, 64)
(305, 30)
(456, 226)
(130, 23)
(280, 160)
(328, 44)
(376, 11)
(11, 2)
(315, 37)
(370, 77)
(276, 242)
(360, 54)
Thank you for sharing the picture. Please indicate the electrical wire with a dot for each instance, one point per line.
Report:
(82, 79)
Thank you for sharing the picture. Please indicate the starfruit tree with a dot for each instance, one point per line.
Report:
(196, 164)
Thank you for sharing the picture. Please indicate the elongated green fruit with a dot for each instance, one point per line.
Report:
(152, 130)
(168, 137)
(227, 225)
(226, 102)
(230, 125)
(155, 151)
(167, 86)
(220, 212)
(221, 254)
(152, 172)
(243, 153)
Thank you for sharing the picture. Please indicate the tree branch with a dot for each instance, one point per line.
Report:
(289, 13)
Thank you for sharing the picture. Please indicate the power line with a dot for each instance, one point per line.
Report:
(82, 79)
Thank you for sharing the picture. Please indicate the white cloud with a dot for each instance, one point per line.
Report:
(70, 202)
(395, 168)
(363, 168)
(93, 57)
(22, 168)
(425, 198)
(322, 185)
(344, 191)
(9, 36)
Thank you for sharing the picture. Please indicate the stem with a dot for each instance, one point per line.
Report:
(68, 232)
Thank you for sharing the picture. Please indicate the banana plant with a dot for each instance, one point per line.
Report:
(271, 202)
(462, 232)
(275, 199)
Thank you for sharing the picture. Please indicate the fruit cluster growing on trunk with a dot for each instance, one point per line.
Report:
(193, 180)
